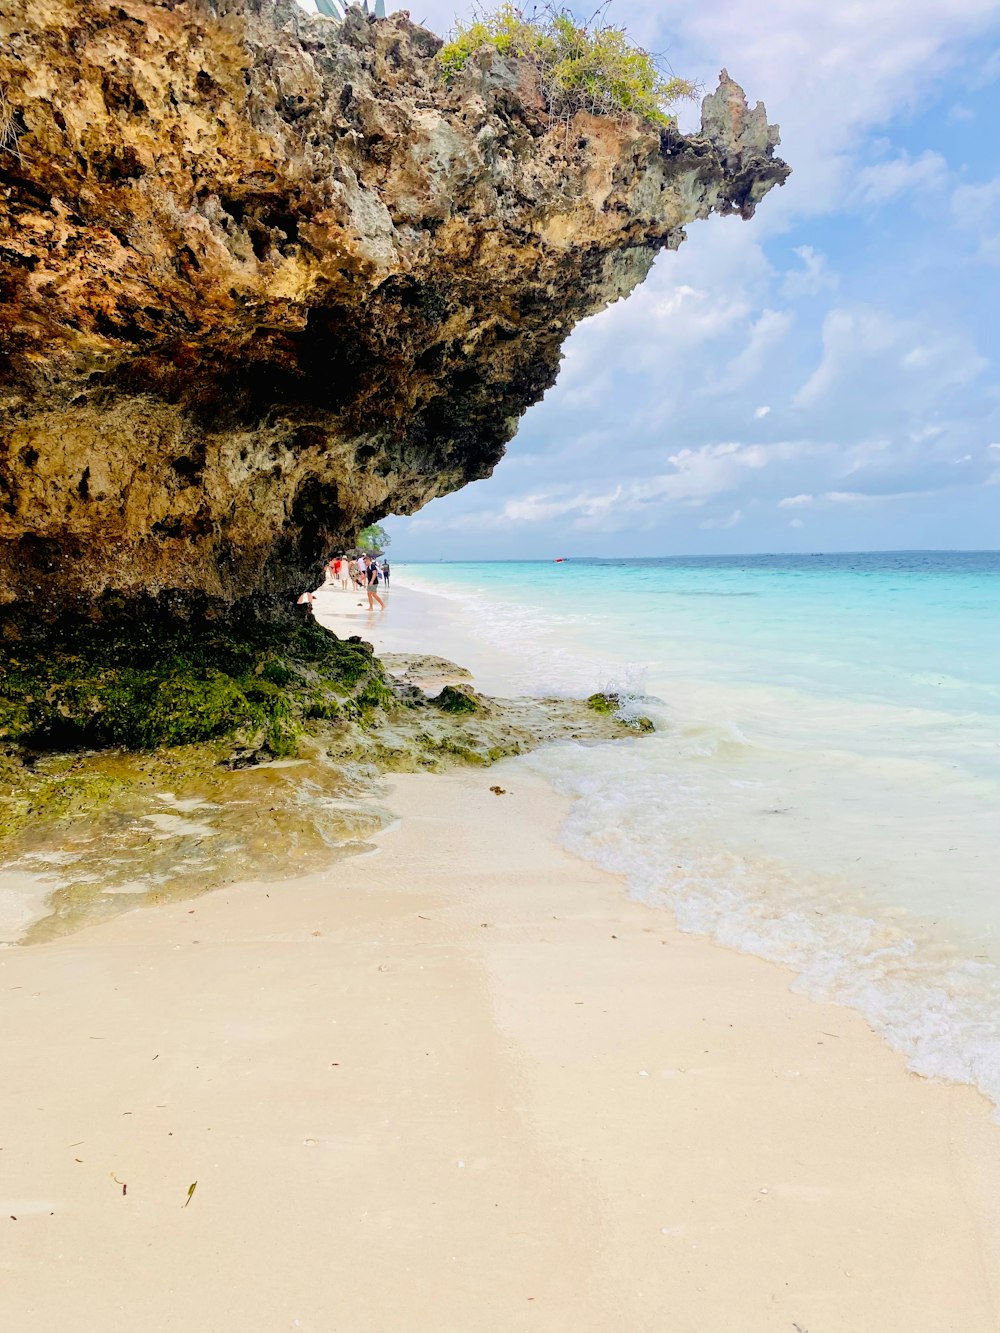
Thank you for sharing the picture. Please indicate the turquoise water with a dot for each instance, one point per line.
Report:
(824, 788)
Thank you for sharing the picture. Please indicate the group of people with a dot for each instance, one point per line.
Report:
(364, 574)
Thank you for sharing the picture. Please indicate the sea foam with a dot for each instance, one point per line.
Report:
(824, 783)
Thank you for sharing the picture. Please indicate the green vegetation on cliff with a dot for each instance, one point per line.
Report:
(597, 69)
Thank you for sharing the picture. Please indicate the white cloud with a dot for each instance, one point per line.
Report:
(870, 498)
(828, 73)
(976, 211)
(697, 476)
(714, 469)
(860, 345)
(730, 521)
(765, 334)
(813, 277)
(988, 72)
(929, 432)
(761, 412)
(877, 184)
(847, 336)
(972, 206)
(794, 501)
(796, 523)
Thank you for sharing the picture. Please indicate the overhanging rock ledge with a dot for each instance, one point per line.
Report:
(265, 278)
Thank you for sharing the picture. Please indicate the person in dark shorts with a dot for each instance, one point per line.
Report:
(385, 574)
(371, 581)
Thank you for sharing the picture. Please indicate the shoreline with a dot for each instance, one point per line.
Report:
(923, 974)
(420, 622)
(465, 1083)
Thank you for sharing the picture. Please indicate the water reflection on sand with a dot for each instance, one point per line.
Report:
(170, 826)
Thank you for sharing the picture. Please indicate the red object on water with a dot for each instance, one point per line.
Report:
(560, 560)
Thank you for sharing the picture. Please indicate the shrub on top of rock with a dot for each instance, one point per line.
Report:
(595, 69)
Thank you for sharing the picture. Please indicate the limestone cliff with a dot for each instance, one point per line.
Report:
(265, 278)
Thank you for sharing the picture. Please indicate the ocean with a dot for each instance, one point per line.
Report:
(823, 788)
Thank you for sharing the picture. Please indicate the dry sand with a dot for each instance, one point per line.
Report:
(464, 1085)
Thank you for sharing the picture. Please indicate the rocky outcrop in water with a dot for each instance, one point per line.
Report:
(265, 278)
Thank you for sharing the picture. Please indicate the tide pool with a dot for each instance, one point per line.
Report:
(824, 788)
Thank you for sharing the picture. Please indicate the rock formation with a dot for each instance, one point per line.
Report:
(265, 278)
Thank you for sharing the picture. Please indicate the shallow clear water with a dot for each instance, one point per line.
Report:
(168, 826)
(825, 786)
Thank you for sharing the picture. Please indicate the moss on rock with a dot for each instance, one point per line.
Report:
(129, 686)
(149, 822)
(457, 699)
(603, 702)
(609, 704)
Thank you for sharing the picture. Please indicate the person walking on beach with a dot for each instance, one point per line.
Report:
(385, 573)
(371, 578)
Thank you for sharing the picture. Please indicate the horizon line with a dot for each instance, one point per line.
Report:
(704, 555)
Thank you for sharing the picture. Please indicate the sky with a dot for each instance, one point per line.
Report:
(822, 378)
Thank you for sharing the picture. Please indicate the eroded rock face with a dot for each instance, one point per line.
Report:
(265, 278)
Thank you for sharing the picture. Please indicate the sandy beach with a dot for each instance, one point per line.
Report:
(596, 930)
(465, 1084)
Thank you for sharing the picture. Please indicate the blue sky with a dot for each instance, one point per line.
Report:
(823, 377)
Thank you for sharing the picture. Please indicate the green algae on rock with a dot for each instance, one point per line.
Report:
(458, 699)
(602, 702)
(141, 686)
(609, 704)
(105, 830)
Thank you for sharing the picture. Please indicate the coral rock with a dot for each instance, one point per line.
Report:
(265, 278)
